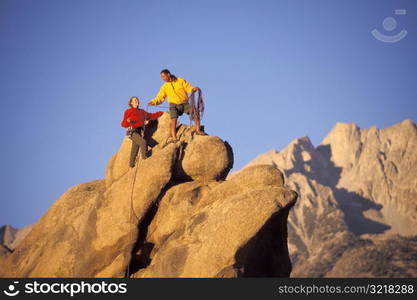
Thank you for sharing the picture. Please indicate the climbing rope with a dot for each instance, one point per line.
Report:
(197, 109)
(132, 210)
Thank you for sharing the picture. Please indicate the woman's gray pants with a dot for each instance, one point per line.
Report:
(137, 142)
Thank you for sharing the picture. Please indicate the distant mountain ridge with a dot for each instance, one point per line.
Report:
(10, 237)
(357, 212)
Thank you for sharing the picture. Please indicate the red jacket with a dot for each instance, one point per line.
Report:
(136, 117)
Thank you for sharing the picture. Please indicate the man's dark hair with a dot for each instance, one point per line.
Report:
(166, 71)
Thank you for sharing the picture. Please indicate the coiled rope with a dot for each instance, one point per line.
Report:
(197, 108)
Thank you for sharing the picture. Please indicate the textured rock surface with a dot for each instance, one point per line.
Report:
(205, 158)
(358, 197)
(224, 236)
(89, 229)
(183, 220)
(236, 228)
(177, 205)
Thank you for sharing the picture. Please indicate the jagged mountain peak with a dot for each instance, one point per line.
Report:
(356, 188)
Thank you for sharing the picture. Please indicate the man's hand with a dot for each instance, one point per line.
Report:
(128, 120)
(151, 103)
(195, 89)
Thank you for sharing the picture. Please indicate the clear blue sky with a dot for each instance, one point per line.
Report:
(271, 71)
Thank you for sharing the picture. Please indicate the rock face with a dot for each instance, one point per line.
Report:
(174, 215)
(235, 228)
(357, 213)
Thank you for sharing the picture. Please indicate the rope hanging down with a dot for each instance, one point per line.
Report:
(132, 210)
(197, 110)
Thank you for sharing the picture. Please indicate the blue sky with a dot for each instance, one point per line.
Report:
(270, 71)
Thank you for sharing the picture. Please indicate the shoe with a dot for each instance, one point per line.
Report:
(200, 133)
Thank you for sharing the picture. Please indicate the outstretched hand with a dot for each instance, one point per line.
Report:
(150, 103)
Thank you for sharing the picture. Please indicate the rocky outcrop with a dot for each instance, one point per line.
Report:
(174, 215)
(235, 228)
(358, 200)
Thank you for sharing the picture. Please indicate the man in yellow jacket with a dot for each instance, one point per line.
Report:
(176, 89)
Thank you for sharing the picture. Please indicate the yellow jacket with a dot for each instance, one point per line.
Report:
(176, 91)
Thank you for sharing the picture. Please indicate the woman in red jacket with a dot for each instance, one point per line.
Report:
(135, 118)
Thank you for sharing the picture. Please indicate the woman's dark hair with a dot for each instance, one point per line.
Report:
(130, 101)
(166, 71)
